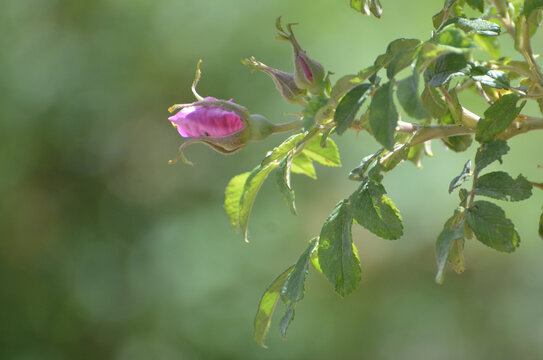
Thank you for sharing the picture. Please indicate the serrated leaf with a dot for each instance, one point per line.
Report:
(532, 5)
(493, 78)
(478, 26)
(433, 103)
(400, 62)
(250, 190)
(491, 227)
(383, 115)
(396, 48)
(408, 96)
(445, 67)
(266, 307)
(460, 179)
(232, 196)
(283, 181)
(328, 155)
(500, 185)
(489, 152)
(393, 159)
(337, 254)
(453, 230)
(302, 164)
(376, 212)
(454, 39)
(279, 152)
(498, 117)
(294, 287)
(348, 107)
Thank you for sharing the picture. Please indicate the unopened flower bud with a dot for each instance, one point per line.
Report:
(284, 82)
(220, 124)
(308, 73)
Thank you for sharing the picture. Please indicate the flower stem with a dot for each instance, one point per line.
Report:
(285, 127)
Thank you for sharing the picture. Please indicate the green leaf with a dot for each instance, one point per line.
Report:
(283, 181)
(408, 96)
(232, 196)
(498, 117)
(383, 115)
(491, 227)
(250, 190)
(476, 4)
(348, 107)
(454, 39)
(315, 104)
(452, 232)
(456, 254)
(400, 62)
(294, 287)
(460, 179)
(337, 254)
(267, 305)
(490, 152)
(478, 26)
(493, 78)
(279, 152)
(328, 155)
(433, 103)
(302, 164)
(532, 5)
(376, 212)
(396, 48)
(500, 185)
(445, 67)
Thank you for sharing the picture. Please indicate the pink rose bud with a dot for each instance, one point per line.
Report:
(223, 125)
(197, 121)
(308, 73)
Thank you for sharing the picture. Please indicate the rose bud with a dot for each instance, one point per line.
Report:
(284, 82)
(308, 73)
(222, 125)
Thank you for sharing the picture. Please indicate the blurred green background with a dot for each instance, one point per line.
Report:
(108, 252)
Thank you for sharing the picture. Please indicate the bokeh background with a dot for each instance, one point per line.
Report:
(108, 252)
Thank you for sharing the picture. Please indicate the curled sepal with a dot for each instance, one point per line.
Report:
(225, 145)
(308, 73)
(284, 82)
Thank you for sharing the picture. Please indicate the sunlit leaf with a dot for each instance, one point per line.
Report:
(266, 307)
(337, 254)
(498, 117)
(383, 115)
